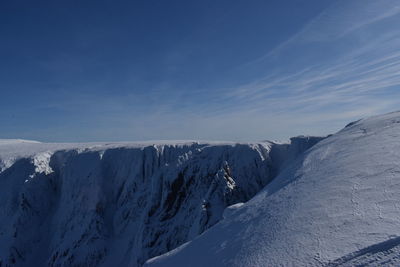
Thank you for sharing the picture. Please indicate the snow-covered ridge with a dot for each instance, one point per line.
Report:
(119, 204)
(335, 205)
(14, 149)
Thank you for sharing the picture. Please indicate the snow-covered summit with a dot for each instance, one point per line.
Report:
(337, 204)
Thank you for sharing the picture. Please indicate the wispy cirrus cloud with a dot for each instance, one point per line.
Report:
(360, 71)
(342, 65)
(341, 18)
(357, 74)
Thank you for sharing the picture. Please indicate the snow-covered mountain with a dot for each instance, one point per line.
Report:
(119, 204)
(338, 204)
(312, 202)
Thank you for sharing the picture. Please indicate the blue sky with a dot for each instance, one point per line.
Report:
(210, 70)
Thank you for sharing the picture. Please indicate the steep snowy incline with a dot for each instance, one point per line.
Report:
(338, 204)
(120, 204)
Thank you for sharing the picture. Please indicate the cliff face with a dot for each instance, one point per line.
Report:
(121, 205)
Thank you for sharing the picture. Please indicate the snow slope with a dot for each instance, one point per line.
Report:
(119, 204)
(337, 205)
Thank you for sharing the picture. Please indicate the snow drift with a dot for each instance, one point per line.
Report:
(123, 203)
(338, 204)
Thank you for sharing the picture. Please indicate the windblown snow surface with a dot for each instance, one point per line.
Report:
(119, 204)
(338, 204)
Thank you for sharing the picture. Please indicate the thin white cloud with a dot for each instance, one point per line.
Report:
(358, 82)
(318, 98)
(339, 19)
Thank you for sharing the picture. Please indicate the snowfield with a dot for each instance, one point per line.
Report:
(336, 205)
(314, 201)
